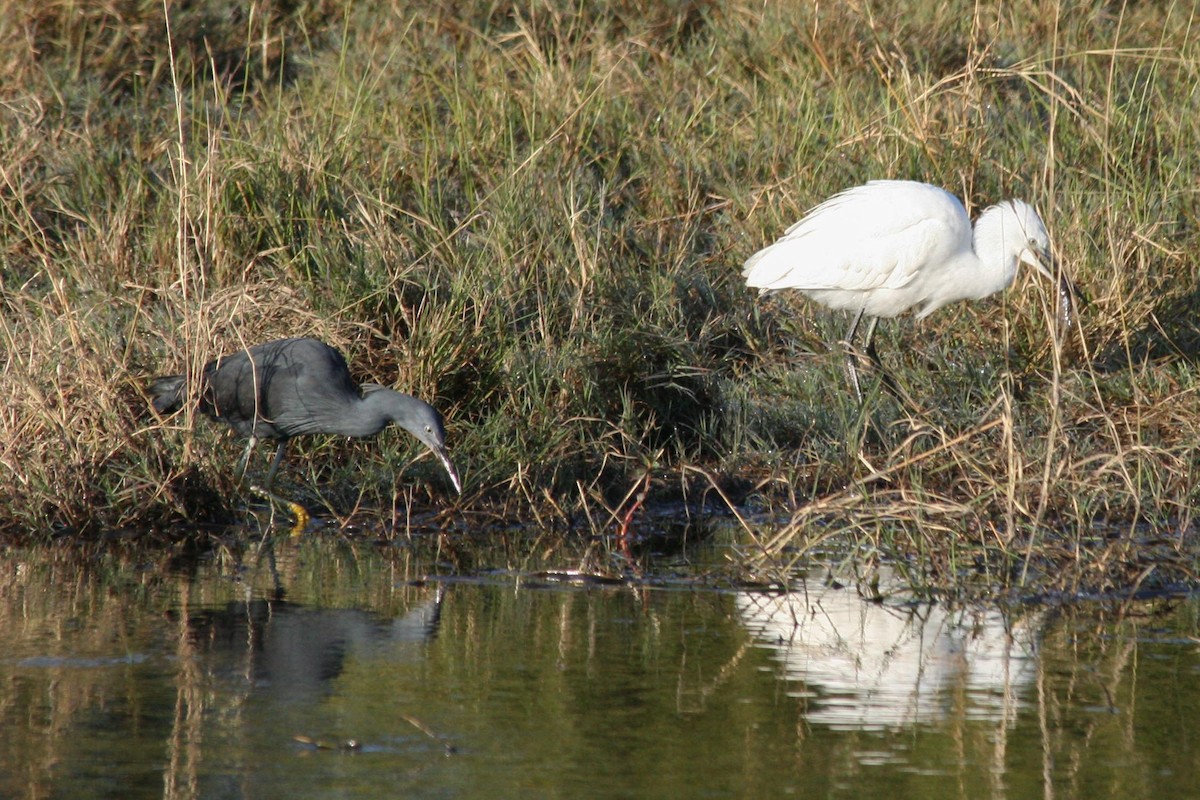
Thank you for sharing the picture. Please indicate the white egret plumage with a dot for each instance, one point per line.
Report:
(887, 247)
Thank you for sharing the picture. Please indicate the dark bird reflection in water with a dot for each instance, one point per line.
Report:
(295, 653)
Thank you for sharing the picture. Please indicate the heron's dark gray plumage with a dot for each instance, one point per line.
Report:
(293, 387)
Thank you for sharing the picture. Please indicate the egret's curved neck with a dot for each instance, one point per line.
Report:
(997, 260)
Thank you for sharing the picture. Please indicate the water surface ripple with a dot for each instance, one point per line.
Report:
(324, 669)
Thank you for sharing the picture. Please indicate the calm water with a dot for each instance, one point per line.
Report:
(322, 669)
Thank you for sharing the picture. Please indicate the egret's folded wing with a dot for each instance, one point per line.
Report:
(870, 237)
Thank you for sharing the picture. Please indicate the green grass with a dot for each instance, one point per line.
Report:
(534, 216)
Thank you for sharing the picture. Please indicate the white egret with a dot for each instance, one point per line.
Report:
(886, 247)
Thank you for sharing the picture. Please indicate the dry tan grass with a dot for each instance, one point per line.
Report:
(533, 215)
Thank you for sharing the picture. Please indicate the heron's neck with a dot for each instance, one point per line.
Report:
(369, 414)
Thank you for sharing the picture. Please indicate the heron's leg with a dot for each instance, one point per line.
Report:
(299, 512)
(244, 461)
(267, 481)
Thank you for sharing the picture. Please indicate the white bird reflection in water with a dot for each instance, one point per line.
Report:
(868, 665)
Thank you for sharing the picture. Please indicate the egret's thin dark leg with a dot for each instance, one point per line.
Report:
(885, 377)
(877, 364)
(848, 346)
(869, 339)
(873, 354)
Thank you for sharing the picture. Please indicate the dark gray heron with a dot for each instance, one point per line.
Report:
(293, 387)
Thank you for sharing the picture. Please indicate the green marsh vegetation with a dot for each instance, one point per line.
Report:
(534, 214)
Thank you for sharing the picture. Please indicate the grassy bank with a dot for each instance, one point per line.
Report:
(534, 215)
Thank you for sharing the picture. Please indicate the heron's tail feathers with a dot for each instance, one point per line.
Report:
(167, 393)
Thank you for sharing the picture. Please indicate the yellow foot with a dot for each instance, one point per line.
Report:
(299, 512)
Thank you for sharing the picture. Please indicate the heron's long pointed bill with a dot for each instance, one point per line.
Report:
(444, 457)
